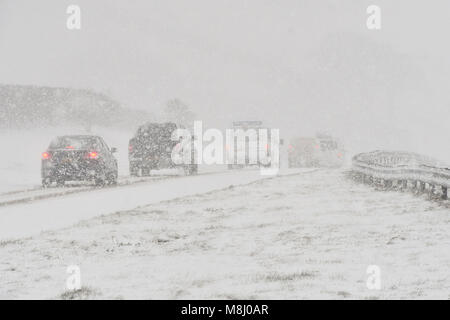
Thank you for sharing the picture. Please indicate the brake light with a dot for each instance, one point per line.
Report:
(69, 147)
(130, 148)
(45, 155)
(93, 155)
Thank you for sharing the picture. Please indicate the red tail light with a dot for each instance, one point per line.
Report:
(130, 148)
(45, 155)
(93, 155)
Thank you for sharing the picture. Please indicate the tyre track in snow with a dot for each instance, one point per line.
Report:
(40, 193)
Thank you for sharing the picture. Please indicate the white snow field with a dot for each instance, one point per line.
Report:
(307, 235)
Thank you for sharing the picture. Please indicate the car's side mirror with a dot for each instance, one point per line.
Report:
(113, 150)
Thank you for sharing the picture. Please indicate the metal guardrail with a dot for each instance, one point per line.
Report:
(402, 169)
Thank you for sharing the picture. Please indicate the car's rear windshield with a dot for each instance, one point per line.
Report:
(76, 143)
(156, 132)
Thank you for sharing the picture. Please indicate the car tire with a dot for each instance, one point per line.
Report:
(191, 170)
(134, 171)
(145, 172)
(46, 183)
(99, 182)
(112, 179)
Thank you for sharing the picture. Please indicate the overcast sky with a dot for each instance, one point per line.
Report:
(300, 65)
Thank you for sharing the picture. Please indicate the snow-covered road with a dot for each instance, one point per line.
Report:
(75, 204)
(40, 193)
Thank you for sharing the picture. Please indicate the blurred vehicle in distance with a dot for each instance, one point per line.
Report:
(320, 151)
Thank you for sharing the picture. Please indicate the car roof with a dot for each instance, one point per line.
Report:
(78, 136)
(158, 124)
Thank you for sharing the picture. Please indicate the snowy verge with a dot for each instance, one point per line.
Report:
(305, 236)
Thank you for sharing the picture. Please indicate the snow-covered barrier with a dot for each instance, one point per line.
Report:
(402, 169)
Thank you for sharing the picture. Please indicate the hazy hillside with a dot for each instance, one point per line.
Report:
(37, 107)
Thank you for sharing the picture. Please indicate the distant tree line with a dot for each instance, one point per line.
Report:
(32, 106)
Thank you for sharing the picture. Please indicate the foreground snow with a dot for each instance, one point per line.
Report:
(310, 235)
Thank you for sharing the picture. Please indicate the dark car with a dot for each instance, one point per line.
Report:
(79, 158)
(151, 148)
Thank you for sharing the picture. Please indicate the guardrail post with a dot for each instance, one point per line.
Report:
(388, 184)
(360, 177)
(414, 185)
(432, 190)
(404, 184)
(379, 182)
(368, 179)
(444, 193)
(422, 186)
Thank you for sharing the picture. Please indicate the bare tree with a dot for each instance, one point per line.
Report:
(178, 112)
